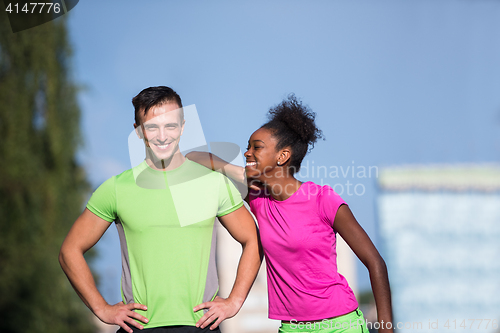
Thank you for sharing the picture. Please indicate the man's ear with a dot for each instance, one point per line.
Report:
(182, 126)
(138, 131)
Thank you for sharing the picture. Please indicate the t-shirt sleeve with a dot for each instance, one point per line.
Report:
(103, 201)
(329, 202)
(229, 197)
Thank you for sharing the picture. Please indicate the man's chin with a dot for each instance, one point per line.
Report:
(159, 158)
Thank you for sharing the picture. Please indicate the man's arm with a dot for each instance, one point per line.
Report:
(84, 234)
(241, 226)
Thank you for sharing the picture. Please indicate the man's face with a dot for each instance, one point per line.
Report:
(162, 127)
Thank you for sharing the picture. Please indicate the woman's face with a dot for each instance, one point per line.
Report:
(261, 156)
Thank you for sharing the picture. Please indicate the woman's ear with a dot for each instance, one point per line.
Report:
(284, 156)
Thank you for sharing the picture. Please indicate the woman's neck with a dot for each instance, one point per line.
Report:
(282, 188)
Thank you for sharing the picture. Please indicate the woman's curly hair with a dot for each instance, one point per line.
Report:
(292, 124)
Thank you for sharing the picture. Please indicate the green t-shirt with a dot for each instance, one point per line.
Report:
(165, 221)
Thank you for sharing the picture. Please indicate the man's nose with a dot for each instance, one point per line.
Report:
(162, 135)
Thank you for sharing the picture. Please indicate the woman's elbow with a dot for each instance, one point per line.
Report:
(376, 264)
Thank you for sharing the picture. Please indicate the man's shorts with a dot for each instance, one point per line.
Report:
(173, 329)
(353, 322)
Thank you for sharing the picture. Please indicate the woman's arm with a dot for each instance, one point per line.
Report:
(215, 163)
(357, 239)
(232, 171)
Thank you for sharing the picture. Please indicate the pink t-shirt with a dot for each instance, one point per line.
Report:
(300, 249)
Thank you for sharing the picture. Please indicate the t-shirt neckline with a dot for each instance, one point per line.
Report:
(149, 168)
(292, 196)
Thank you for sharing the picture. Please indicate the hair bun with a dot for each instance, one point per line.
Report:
(298, 117)
(292, 125)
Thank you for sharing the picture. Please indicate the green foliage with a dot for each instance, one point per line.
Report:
(42, 188)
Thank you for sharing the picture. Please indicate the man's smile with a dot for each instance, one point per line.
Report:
(162, 147)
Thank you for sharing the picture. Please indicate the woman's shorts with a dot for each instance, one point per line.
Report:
(353, 322)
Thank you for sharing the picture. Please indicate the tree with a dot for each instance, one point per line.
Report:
(42, 188)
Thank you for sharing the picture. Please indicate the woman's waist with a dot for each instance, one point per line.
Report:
(334, 318)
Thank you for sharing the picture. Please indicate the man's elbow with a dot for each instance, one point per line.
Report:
(62, 257)
(252, 241)
(65, 255)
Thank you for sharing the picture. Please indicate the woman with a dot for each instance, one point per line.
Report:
(298, 224)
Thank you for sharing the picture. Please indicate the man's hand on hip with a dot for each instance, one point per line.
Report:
(218, 310)
(122, 314)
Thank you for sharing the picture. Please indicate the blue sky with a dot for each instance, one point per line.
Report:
(392, 82)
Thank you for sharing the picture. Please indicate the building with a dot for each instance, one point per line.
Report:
(440, 230)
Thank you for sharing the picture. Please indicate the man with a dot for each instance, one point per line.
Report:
(164, 210)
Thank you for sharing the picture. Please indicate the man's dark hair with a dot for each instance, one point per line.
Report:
(154, 96)
(292, 124)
